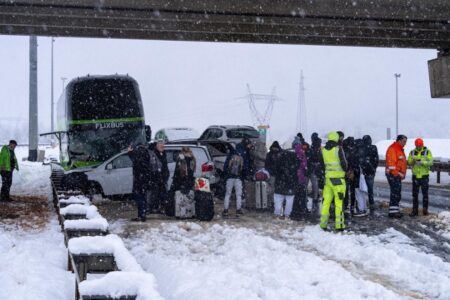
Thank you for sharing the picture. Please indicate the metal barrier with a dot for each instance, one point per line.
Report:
(438, 167)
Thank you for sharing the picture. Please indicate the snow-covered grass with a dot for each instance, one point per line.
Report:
(33, 264)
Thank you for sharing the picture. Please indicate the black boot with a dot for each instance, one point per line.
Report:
(414, 213)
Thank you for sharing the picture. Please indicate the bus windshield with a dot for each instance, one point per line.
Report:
(100, 145)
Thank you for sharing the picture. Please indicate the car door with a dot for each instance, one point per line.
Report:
(117, 178)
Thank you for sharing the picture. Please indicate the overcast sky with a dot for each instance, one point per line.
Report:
(198, 84)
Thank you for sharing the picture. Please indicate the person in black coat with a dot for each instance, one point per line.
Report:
(369, 163)
(315, 169)
(140, 157)
(286, 166)
(352, 173)
(272, 157)
(159, 171)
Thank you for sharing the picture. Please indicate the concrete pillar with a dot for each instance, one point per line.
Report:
(33, 112)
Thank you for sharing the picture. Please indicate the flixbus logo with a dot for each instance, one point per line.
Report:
(109, 125)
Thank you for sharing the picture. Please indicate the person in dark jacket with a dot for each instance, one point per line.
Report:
(140, 157)
(270, 165)
(234, 173)
(272, 157)
(286, 181)
(8, 162)
(159, 170)
(315, 170)
(248, 168)
(369, 163)
(351, 175)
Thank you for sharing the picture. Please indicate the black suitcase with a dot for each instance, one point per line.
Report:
(204, 206)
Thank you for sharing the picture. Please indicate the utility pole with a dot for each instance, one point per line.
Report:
(261, 119)
(397, 76)
(301, 108)
(53, 102)
(33, 112)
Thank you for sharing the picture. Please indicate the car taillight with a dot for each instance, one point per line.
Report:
(207, 167)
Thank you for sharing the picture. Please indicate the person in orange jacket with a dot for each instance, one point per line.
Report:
(396, 164)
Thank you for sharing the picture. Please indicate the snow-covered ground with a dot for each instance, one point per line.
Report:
(229, 260)
(222, 261)
(33, 264)
(33, 258)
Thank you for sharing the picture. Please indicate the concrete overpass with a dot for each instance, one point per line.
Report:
(373, 23)
(379, 23)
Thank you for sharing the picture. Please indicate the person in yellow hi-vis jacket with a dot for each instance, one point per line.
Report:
(335, 165)
(420, 159)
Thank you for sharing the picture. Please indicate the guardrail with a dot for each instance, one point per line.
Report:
(438, 167)
(92, 251)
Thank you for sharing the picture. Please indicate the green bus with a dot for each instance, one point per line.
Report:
(98, 117)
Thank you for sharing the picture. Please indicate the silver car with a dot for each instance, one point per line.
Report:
(115, 176)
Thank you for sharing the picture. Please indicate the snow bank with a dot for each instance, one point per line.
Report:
(443, 224)
(32, 179)
(224, 262)
(440, 148)
(117, 284)
(75, 200)
(110, 244)
(91, 211)
(390, 256)
(33, 264)
(98, 223)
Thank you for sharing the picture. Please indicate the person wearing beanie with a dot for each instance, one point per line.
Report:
(272, 160)
(315, 170)
(335, 164)
(341, 137)
(420, 160)
(369, 163)
(8, 162)
(395, 172)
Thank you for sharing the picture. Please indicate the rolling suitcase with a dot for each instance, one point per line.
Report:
(184, 205)
(261, 195)
(204, 205)
(204, 202)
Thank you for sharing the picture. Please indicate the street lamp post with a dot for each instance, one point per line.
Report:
(52, 99)
(397, 76)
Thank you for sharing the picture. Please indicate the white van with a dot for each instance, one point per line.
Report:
(176, 133)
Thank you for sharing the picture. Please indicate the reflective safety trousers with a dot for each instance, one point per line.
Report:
(334, 189)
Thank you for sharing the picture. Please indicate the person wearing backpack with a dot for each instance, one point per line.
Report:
(234, 172)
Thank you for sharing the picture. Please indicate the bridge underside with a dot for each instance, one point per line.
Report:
(381, 23)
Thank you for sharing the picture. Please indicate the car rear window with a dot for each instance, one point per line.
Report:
(200, 155)
(242, 133)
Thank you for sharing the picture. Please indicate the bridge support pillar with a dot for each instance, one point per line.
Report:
(439, 73)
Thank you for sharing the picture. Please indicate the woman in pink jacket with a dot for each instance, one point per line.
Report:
(300, 202)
